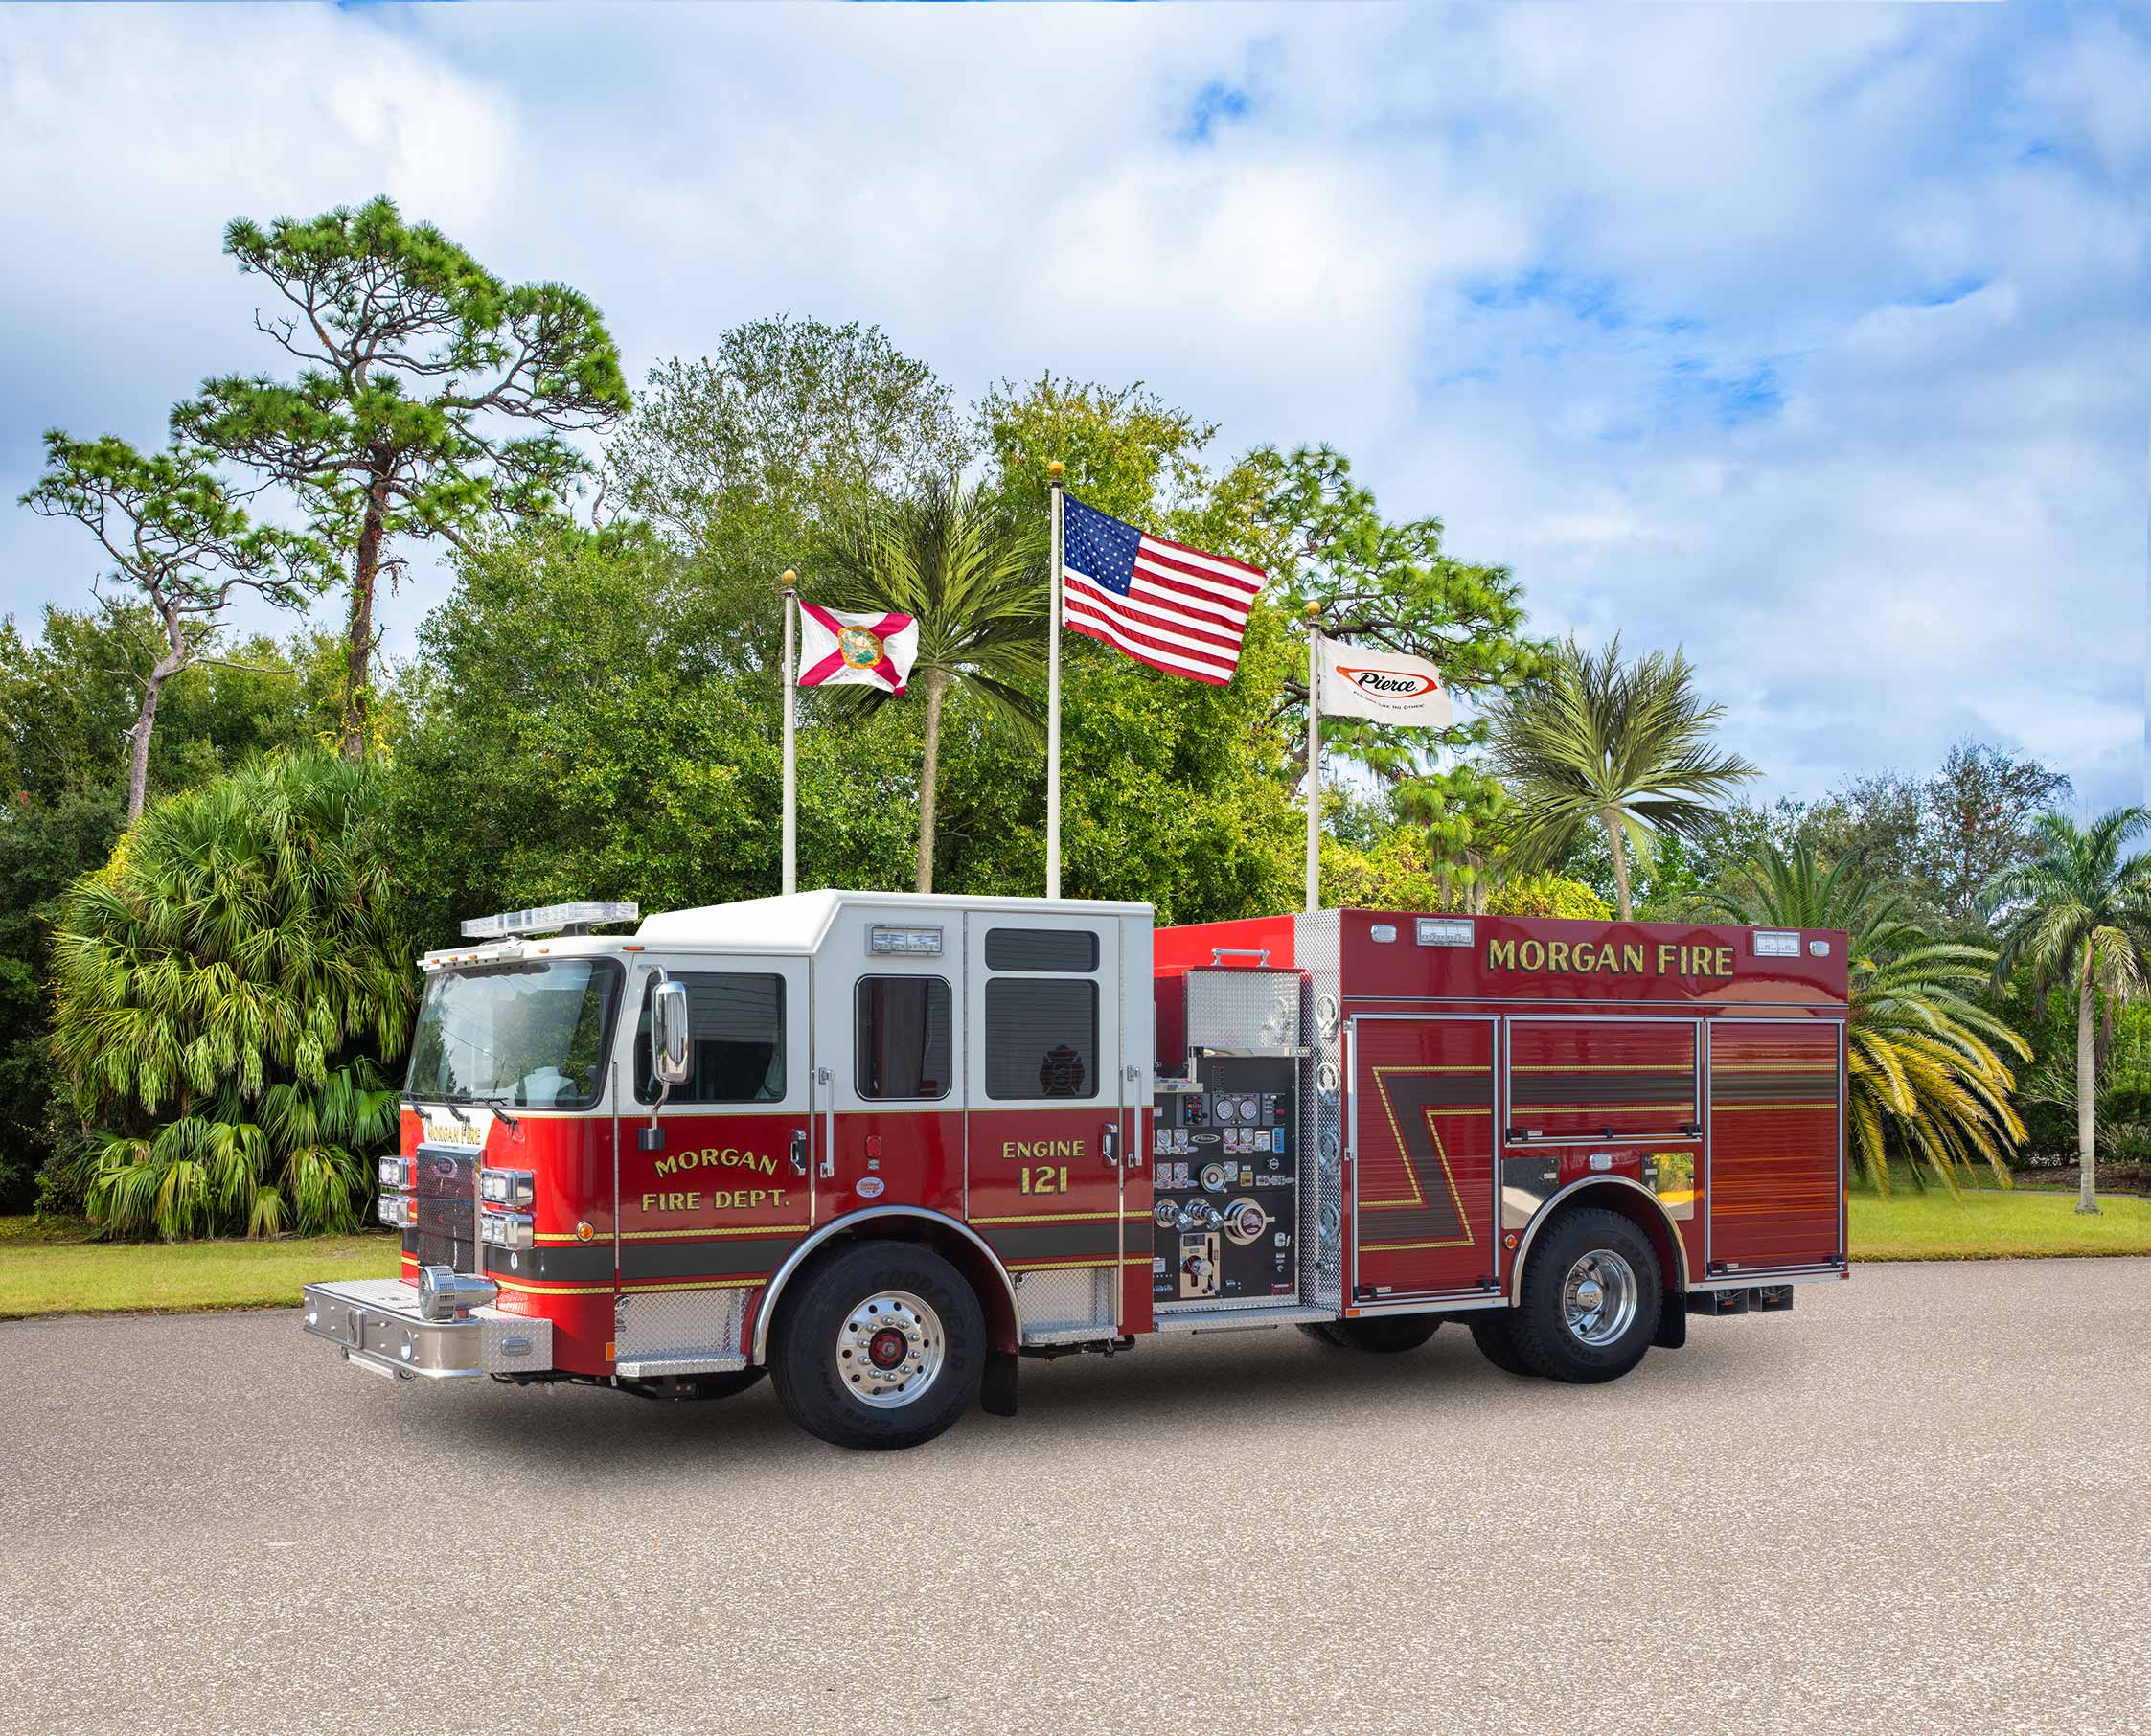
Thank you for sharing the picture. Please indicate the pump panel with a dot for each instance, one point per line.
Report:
(1225, 1178)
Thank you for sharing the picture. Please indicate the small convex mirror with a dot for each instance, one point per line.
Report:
(668, 1032)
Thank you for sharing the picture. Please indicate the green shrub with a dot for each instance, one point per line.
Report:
(229, 992)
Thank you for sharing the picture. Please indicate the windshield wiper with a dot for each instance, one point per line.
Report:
(497, 1101)
(416, 1098)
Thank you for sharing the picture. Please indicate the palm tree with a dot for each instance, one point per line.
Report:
(1625, 747)
(2079, 913)
(227, 993)
(1922, 1070)
(978, 592)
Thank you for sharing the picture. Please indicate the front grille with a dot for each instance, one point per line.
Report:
(443, 1188)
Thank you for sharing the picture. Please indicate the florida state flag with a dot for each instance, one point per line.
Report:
(873, 650)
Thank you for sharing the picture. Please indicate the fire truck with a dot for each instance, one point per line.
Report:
(880, 1147)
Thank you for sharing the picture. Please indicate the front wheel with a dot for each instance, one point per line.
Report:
(1590, 1298)
(883, 1349)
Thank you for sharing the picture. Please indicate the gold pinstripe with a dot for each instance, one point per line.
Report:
(1441, 1154)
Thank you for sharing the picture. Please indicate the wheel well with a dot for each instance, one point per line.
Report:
(988, 1282)
(1614, 1194)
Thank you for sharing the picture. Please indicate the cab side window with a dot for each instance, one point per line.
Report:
(1041, 1030)
(735, 1039)
(900, 1036)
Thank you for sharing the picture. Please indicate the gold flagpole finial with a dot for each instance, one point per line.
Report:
(1314, 609)
(1054, 470)
(789, 578)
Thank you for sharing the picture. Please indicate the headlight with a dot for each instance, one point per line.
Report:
(500, 1229)
(396, 1171)
(507, 1187)
(395, 1211)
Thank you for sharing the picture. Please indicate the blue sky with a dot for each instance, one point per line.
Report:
(1813, 340)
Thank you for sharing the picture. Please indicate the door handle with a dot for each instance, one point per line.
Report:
(1110, 1144)
(798, 1151)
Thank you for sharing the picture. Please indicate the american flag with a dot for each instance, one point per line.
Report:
(1163, 604)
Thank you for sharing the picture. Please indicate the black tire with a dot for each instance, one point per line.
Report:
(820, 1380)
(1494, 1332)
(1543, 1336)
(1383, 1334)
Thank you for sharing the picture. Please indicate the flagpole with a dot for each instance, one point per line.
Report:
(790, 582)
(1314, 759)
(1053, 701)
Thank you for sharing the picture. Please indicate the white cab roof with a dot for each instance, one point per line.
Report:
(798, 922)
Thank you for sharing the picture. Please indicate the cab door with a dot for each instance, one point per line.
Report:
(1049, 1113)
(888, 1084)
(712, 1206)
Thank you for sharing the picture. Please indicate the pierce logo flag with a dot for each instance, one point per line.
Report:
(1386, 686)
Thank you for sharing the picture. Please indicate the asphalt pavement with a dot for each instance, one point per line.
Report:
(1919, 1502)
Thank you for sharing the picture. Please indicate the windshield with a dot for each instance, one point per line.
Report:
(528, 1035)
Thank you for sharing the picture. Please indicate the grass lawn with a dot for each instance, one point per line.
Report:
(1990, 1223)
(48, 1271)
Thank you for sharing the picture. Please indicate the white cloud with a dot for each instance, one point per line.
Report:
(1812, 340)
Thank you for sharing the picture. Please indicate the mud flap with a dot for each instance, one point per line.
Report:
(1673, 1325)
(997, 1388)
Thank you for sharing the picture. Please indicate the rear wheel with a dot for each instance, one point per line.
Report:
(1384, 1334)
(1590, 1298)
(882, 1348)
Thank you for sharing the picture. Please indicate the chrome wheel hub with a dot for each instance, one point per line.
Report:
(1599, 1296)
(890, 1349)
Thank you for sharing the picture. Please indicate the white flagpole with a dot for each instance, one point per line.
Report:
(1053, 702)
(1313, 761)
(790, 761)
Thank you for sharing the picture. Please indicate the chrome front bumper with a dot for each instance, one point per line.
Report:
(376, 1324)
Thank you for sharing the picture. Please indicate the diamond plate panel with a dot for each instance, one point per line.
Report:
(678, 1323)
(1317, 944)
(1072, 1299)
(1243, 1009)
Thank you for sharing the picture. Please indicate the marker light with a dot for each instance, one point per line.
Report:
(1444, 931)
(1776, 943)
(885, 941)
(551, 919)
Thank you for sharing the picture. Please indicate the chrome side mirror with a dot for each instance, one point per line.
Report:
(668, 1033)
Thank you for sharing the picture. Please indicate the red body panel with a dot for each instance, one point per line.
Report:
(1425, 1094)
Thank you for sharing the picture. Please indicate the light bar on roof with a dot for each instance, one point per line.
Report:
(551, 919)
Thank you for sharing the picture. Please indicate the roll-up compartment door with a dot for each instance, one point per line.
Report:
(1776, 1119)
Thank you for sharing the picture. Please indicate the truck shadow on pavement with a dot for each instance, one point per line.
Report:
(1264, 1381)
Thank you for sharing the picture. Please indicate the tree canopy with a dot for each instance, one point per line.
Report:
(416, 367)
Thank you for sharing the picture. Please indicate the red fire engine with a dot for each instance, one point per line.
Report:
(881, 1147)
